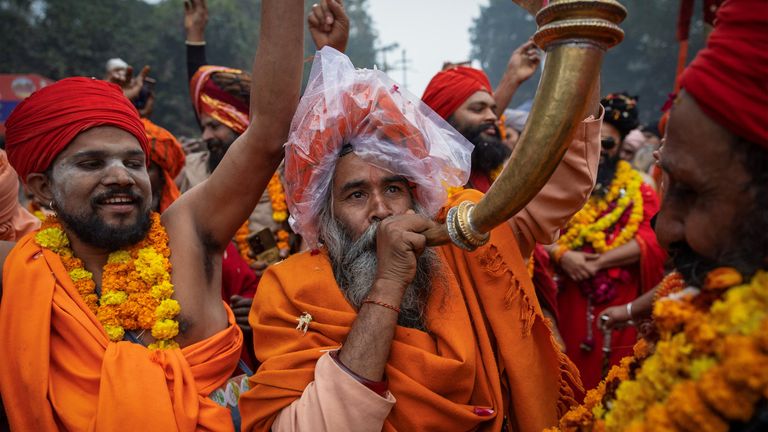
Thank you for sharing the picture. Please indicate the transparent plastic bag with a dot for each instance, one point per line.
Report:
(387, 127)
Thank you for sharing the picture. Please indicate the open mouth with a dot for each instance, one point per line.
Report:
(119, 203)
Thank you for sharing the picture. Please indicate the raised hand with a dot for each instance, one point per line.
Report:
(132, 86)
(195, 19)
(329, 24)
(524, 61)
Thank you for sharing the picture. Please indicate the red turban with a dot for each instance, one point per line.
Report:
(222, 93)
(729, 78)
(41, 126)
(166, 152)
(450, 88)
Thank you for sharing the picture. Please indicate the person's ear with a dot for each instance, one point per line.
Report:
(39, 184)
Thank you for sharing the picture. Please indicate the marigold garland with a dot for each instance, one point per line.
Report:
(706, 370)
(279, 215)
(136, 286)
(590, 224)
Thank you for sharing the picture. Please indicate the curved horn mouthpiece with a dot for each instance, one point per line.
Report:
(575, 34)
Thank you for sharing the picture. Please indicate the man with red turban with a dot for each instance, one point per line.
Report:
(706, 367)
(123, 327)
(464, 97)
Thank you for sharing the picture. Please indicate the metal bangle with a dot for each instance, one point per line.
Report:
(470, 236)
(629, 313)
(450, 223)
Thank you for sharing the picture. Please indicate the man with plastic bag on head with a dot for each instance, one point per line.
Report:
(371, 330)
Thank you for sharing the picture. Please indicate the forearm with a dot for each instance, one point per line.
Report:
(366, 350)
(628, 253)
(195, 59)
(505, 91)
(324, 404)
(643, 305)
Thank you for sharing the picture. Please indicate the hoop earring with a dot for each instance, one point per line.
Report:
(53, 208)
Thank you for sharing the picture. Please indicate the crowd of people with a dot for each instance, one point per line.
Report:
(275, 273)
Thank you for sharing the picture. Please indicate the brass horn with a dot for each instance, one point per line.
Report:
(575, 35)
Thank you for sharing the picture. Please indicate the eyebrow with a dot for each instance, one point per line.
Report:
(101, 153)
(354, 184)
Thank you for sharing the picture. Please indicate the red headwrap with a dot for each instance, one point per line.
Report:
(166, 152)
(450, 88)
(46, 122)
(729, 78)
(209, 98)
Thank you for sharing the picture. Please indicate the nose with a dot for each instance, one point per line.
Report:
(207, 133)
(489, 116)
(117, 174)
(379, 209)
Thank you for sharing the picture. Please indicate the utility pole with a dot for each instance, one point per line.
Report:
(384, 50)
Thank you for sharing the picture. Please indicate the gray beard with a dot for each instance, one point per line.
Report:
(354, 267)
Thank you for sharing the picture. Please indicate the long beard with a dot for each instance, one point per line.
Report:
(354, 267)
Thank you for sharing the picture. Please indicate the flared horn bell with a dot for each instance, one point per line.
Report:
(575, 35)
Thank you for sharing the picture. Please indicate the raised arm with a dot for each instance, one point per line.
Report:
(219, 205)
(195, 20)
(522, 64)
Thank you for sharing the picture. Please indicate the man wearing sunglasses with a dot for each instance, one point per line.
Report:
(608, 253)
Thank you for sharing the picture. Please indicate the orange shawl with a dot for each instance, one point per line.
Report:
(60, 371)
(437, 378)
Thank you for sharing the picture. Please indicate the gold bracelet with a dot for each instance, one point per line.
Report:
(465, 227)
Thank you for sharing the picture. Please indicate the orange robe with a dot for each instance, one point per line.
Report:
(60, 371)
(488, 346)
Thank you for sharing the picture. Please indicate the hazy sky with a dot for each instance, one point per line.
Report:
(430, 31)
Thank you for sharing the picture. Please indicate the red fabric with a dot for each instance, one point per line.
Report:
(44, 124)
(729, 78)
(167, 153)
(450, 88)
(237, 278)
(684, 20)
(639, 278)
(546, 288)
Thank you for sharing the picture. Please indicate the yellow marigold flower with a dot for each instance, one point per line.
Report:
(163, 344)
(52, 238)
(279, 216)
(115, 332)
(119, 257)
(701, 365)
(113, 297)
(167, 309)
(150, 265)
(162, 290)
(165, 329)
(80, 274)
(732, 403)
(690, 412)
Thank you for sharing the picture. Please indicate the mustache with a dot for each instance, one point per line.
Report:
(691, 265)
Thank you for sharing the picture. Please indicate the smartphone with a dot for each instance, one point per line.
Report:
(264, 246)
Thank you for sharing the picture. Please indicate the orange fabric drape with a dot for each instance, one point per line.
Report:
(60, 371)
(484, 322)
(166, 152)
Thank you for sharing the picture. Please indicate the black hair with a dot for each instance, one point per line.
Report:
(621, 112)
